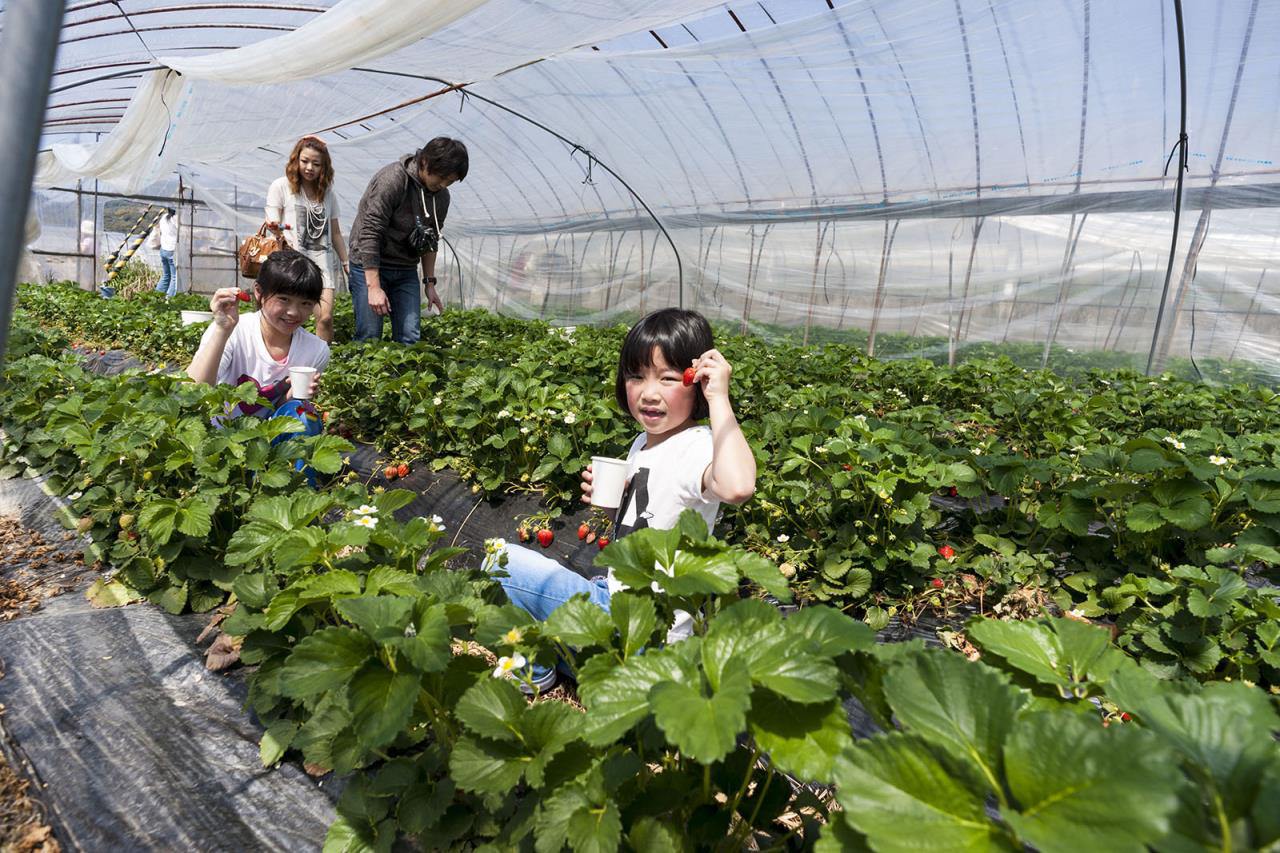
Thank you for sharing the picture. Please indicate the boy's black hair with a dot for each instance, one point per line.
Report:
(444, 158)
(289, 273)
(680, 335)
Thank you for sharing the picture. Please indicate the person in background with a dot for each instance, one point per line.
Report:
(304, 207)
(167, 230)
(397, 226)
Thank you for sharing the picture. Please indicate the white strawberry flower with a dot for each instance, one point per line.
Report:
(365, 509)
(1219, 460)
(1174, 442)
(504, 414)
(784, 538)
(570, 418)
(367, 521)
(508, 666)
(524, 430)
(437, 400)
(495, 545)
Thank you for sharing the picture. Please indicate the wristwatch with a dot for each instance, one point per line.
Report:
(431, 279)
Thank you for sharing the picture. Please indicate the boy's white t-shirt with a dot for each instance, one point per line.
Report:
(246, 356)
(663, 482)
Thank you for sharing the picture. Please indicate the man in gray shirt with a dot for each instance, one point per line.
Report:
(397, 226)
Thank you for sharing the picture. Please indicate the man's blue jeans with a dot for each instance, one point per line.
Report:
(404, 291)
(168, 284)
(538, 584)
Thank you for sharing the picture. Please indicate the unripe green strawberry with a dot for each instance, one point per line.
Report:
(126, 521)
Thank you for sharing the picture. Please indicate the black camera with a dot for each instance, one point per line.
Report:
(424, 238)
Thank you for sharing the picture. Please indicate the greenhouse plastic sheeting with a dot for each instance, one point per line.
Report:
(139, 747)
(956, 171)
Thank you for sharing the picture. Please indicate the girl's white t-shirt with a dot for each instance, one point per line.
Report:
(285, 206)
(246, 356)
(663, 482)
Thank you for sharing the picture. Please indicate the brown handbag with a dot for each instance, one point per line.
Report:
(255, 249)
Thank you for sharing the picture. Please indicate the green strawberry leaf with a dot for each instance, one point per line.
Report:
(579, 623)
(383, 617)
(617, 698)
(323, 661)
(704, 727)
(1061, 653)
(485, 766)
(966, 708)
(802, 740)
(1080, 786)
(897, 793)
(492, 709)
(381, 703)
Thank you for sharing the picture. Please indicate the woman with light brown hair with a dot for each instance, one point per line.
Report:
(305, 209)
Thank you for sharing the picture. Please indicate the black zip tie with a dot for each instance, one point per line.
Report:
(462, 102)
(1182, 140)
(591, 159)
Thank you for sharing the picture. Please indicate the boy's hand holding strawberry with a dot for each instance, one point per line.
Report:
(225, 305)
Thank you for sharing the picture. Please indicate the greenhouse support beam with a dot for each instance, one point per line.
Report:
(1181, 147)
(28, 45)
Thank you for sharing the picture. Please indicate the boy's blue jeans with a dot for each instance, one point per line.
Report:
(538, 584)
(168, 284)
(404, 292)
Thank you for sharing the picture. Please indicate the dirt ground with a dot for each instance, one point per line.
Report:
(31, 569)
(23, 828)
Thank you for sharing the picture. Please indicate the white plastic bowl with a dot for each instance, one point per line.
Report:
(190, 317)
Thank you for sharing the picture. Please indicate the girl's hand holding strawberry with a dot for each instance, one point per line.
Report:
(225, 305)
(713, 371)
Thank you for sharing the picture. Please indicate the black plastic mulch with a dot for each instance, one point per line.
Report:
(134, 744)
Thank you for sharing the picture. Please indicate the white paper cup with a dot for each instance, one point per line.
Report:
(608, 479)
(191, 317)
(301, 378)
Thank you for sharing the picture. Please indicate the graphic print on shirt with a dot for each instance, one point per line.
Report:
(634, 518)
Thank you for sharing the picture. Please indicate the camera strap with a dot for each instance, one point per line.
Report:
(435, 219)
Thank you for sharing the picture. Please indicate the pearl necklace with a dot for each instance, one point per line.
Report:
(317, 218)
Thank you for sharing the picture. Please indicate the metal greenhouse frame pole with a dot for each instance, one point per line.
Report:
(28, 45)
(1181, 147)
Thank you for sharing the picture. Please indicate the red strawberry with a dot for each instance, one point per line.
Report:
(953, 491)
(403, 470)
(937, 583)
(583, 530)
(602, 542)
(846, 466)
(690, 376)
(1126, 716)
(947, 552)
(545, 537)
(242, 296)
(391, 472)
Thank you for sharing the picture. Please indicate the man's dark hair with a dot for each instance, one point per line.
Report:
(289, 273)
(444, 158)
(680, 335)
